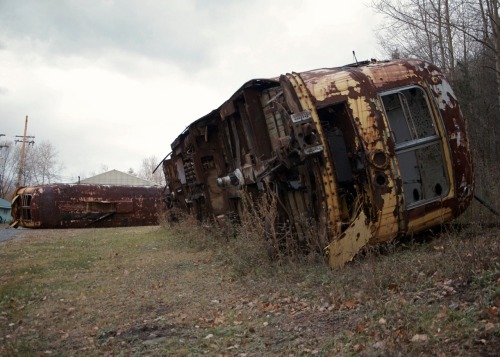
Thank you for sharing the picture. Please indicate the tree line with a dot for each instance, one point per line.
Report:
(462, 37)
(42, 166)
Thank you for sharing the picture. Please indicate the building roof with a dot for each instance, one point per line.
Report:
(117, 178)
(4, 203)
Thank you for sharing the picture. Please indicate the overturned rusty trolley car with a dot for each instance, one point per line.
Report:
(368, 151)
(86, 205)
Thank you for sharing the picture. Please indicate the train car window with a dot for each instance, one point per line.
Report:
(26, 207)
(101, 207)
(418, 145)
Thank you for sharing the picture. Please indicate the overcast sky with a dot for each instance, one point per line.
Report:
(113, 82)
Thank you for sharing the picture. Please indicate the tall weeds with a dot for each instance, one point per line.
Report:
(257, 239)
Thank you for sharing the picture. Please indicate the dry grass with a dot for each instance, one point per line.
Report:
(199, 290)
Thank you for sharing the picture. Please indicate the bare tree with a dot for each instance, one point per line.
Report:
(9, 159)
(452, 29)
(492, 14)
(46, 167)
(419, 28)
(148, 165)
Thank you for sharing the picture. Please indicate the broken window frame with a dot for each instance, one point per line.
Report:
(26, 207)
(417, 142)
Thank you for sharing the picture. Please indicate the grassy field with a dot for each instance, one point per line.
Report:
(183, 291)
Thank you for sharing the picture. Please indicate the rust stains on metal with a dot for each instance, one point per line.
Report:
(79, 206)
(369, 152)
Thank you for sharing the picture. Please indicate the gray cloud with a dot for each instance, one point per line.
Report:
(165, 30)
(185, 33)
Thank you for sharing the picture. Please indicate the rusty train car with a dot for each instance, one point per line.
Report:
(368, 151)
(85, 205)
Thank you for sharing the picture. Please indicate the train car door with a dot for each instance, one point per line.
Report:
(418, 145)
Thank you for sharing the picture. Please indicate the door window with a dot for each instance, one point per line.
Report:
(418, 145)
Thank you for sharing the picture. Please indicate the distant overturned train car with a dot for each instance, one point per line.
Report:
(368, 151)
(79, 206)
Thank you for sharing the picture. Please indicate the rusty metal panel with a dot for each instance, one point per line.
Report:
(345, 147)
(79, 206)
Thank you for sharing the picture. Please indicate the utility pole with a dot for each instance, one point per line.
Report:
(24, 141)
(1, 157)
